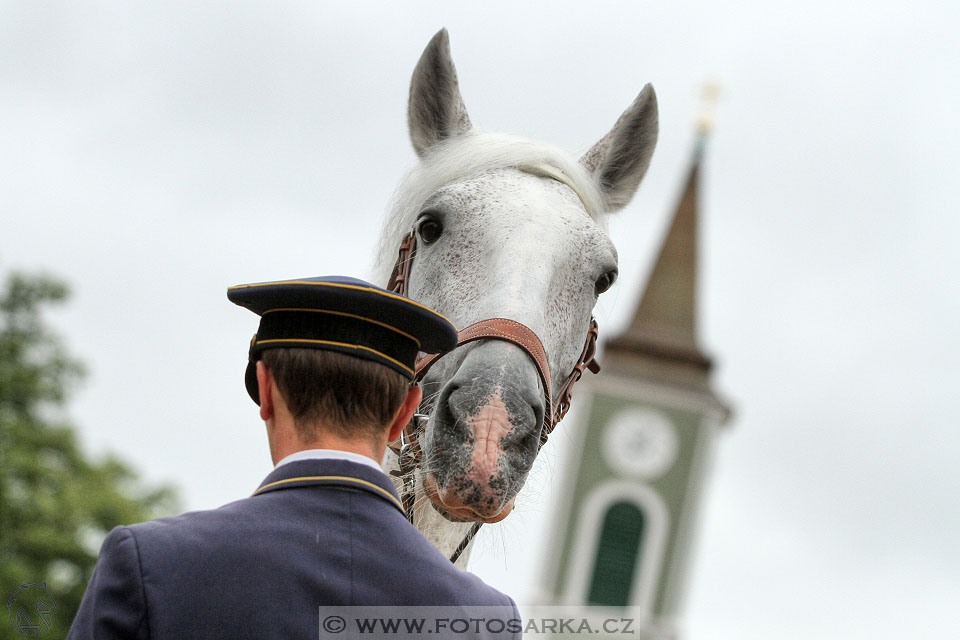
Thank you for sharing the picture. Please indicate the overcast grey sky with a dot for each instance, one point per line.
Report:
(155, 153)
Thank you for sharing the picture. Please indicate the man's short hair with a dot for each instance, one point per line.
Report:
(350, 395)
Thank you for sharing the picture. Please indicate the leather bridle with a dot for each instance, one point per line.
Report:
(407, 447)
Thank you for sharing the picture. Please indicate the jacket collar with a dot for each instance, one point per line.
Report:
(313, 472)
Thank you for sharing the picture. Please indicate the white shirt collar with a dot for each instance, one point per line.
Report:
(329, 454)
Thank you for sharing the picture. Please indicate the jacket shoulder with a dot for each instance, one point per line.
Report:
(114, 605)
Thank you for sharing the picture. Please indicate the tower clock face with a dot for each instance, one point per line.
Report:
(640, 443)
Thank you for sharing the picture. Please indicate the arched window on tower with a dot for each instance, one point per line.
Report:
(618, 550)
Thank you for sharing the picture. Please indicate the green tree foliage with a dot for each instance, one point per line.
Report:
(56, 505)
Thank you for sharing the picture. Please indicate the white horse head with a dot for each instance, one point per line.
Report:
(506, 228)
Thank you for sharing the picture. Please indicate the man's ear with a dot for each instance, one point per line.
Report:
(405, 412)
(265, 382)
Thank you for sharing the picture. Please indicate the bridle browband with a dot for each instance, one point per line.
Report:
(407, 447)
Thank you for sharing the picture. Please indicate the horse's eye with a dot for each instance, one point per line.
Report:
(606, 281)
(429, 229)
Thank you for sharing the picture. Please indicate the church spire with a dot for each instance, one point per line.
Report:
(661, 340)
(666, 314)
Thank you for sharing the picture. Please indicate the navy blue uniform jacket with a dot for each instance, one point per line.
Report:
(316, 533)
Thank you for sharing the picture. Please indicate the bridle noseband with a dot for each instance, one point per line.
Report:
(407, 447)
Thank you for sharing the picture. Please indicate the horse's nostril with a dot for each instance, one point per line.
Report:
(522, 442)
(538, 405)
(455, 403)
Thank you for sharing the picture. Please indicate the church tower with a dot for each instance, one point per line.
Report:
(624, 523)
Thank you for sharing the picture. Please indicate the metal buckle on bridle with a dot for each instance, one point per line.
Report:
(409, 451)
(408, 459)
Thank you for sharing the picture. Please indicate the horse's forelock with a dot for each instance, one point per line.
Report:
(466, 156)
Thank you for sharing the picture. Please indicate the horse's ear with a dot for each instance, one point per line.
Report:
(619, 160)
(436, 110)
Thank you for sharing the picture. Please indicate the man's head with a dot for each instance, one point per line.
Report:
(347, 395)
(335, 357)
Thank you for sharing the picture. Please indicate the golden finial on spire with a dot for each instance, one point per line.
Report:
(710, 92)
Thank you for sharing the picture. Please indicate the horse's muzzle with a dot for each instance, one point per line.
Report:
(484, 433)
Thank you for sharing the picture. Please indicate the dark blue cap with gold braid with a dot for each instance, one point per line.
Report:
(342, 314)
